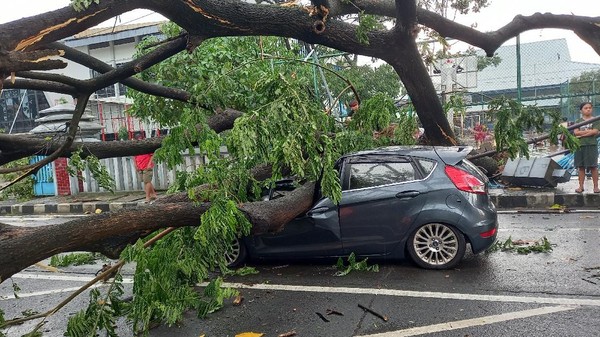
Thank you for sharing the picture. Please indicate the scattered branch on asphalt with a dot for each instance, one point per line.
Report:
(524, 247)
(344, 270)
(373, 312)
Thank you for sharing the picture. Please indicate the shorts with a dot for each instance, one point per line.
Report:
(145, 175)
(586, 156)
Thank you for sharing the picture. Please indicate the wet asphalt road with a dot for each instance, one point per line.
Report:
(494, 294)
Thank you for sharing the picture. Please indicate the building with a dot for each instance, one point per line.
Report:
(19, 108)
(114, 46)
(546, 78)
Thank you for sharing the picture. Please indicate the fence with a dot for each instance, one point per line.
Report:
(540, 73)
(123, 171)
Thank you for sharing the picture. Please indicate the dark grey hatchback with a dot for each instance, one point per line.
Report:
(422, 201)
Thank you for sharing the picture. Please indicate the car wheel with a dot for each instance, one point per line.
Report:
(436, 246)
(237, 254)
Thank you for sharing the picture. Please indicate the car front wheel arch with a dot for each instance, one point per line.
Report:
(436, 246)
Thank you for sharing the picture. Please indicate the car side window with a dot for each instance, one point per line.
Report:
(426, 165)
(363, 175)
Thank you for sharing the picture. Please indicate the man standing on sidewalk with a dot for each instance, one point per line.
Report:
(586, 157)
(144, 165)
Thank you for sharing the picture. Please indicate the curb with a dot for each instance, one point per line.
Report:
(545, 200)
(65, 208)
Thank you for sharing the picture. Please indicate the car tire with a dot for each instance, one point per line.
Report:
(237, 253)
(436, 246)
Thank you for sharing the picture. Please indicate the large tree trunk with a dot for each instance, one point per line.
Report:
(109, 233)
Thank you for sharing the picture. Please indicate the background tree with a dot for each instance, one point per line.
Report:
(582, 89)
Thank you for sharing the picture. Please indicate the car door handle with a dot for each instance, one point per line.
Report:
(318, 210)
(407, 194)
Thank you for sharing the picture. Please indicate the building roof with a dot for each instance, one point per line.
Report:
(542, 63)
(112, 30)
(117, 33)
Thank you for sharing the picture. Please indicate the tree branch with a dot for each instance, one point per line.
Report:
(14, 147)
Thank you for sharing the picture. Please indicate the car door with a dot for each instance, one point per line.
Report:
(381, 198)
(314, 234)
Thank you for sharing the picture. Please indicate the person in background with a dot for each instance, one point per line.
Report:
(353, 107)
(561, 137)
(587, 154)
(144, 165)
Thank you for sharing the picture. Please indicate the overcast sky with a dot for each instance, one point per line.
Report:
(498, 14)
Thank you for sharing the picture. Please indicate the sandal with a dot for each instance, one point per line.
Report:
(579, 190)
(597, 191)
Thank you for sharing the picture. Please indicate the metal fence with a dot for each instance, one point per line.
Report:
(123, 171)
(540, 73)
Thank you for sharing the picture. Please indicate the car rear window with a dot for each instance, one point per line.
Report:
(363, 175)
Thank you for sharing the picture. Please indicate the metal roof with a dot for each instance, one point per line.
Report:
(542, 63)
(116, 33)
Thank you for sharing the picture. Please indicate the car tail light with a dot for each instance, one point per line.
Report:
(488, 234)
(464, 180)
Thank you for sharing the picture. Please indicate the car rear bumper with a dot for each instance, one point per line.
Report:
(480, 243)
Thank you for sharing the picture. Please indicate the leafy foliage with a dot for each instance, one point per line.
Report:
(214, 295)
(344, 270)
(2, 321)
(73, 259)
(162, 291)
(542, 245)
(443, 7)
(366, 23)
(368, 80)
(22, 190)
(484, 62)
(374, 114)
(244, 271)
(99, 171)
(80, 5)
(101, 313)
(584, 88)
(512, 118)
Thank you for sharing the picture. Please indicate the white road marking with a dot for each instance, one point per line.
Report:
(43, 293)
(578, 229)
(448, 326)
(347, 290)
(420, 294)
(53, 277)
(59, 277)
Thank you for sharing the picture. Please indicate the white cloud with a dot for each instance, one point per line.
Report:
(501, 12)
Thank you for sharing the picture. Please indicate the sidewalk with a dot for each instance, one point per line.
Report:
(544, 197)
(526, 198)
(83, 203)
